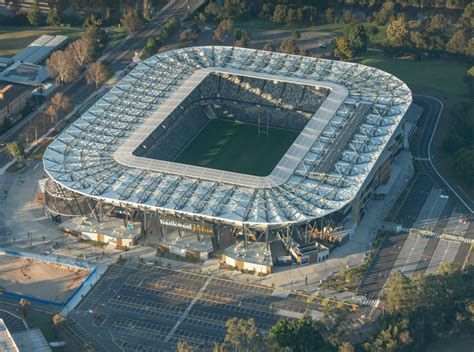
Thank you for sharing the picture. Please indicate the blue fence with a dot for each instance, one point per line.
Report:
(54, 260)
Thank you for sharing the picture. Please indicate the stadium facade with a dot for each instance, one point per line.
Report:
(122, 153)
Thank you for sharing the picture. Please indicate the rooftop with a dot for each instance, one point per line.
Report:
(31, 340)
(24, 73)
(40, 48)
(7, 344)
(320, 174)
(10, 92)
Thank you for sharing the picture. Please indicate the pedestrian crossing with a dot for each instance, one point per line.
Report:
(369, 302)
(402, 229)
(457, 225)
(445, 252)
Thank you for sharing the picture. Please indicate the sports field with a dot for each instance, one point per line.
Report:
(236, 146)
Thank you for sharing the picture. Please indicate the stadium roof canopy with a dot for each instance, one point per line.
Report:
(321, 173)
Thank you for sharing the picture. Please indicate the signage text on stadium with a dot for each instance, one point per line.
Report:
(185, 226)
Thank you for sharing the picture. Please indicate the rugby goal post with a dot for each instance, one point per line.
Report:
(262, 126)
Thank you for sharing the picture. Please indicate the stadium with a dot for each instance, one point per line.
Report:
(202, 144)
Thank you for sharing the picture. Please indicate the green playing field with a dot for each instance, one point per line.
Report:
(236, 146)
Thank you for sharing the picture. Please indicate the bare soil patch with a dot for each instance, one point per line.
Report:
(47, 281)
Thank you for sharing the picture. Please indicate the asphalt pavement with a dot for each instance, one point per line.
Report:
(424, 151)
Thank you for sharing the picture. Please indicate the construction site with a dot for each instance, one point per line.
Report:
(40, 280)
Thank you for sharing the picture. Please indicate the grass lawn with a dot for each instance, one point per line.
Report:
(236, 146)
(444, 77)
(259, 24)
(13, 39)
(116, 35)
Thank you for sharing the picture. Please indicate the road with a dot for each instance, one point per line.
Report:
(424, 151)
(117, 58)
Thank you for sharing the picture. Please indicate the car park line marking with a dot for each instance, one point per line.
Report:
(186, 312)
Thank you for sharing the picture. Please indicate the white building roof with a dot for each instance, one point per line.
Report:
(40, 48)
(7, 344)
(321, 173)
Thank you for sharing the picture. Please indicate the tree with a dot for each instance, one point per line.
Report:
(98, 74)
(266, 11)
(349, 17)
(292, 16)
(59, 323)
(25, 306)
(457, 43)
(395, 338)
(147, 10)
(81, 51)
(470, 48)
(91, 23)
(242, 38)
(62, 66)
(342, 48)
(34, 14)
(16, 151)
(464, 164)
(243, 335)
(467, 17)
(182, 346)
(60, 104)
(268, 46)
(398, 32)
(150, 49)
(279, 14)
(401, 295)
(329, 15)
(299, 336)
(386, 11)
(438, 24)
(53, 18)
(225, 27)
(188, 35)
(133, 20)
(93, 32)
(346, 347)
(357, 38)
(290, 46)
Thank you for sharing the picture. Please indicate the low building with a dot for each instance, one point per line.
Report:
(7, 344)
(251, 256)
(13, 99)
(113, 231)
(31, 340)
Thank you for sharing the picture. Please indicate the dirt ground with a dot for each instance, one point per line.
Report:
(48, 281)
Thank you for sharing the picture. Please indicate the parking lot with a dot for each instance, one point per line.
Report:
(152, 306)
(425, 207)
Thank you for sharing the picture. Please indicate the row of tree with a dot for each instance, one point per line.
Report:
(169, 28)
(66, 65)
(310, 12)
(301, 335)
(408, 323)
(433, 35)
(110, 11)
(36, 18)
